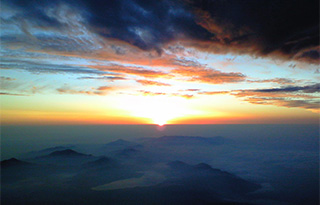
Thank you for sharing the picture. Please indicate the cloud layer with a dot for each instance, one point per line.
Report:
(153, 43)
(255, 27)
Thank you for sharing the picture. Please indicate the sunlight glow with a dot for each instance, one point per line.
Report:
(159, 110)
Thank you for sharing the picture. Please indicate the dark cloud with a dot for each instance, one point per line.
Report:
(146, 24)
(284, 102)
(306, 89)
(283, 81)
(312, 56)
(266, 27)
(291, 96)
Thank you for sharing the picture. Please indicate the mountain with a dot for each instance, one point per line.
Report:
(44, 152)
(67, 153)
(203, 177)
(13, 162)
(128, 152)
(203, 166)
(101, 162)
(120, 142)
(117, 145)
(14, 170)
(178, 165)
(67, 157)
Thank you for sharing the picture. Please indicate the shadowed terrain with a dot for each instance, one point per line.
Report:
(164, 170)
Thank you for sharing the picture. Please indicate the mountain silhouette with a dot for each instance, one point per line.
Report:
(117, 145)
(101, 162)
(203, 166)
(13, 162)
(67, 153)
(43, 152)
(203, 177)
(128, 152)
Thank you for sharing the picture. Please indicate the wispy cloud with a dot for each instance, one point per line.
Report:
(152, 83)
(134, 41)
(6, 78)
(214, 92)
(107, 78)
(102, 90)
(130, 70)
(13, 94)
(290, 96)
(282, 81)
(66, 26)
(150, 93)
(306, 89)
(37, 67)
(207, 75)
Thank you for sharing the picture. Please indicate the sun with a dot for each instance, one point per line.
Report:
(160, 124)
(159, 110)
(159, 120)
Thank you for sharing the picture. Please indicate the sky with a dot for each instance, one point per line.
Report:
(159, 62)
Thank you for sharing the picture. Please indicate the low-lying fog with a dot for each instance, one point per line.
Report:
(177, 164)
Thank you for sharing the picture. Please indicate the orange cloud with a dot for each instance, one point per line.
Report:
(283, 81)
(155, 83)
(304, 98)
(206, 75)
(103, 90)
(149, 93)
(139, 71)
(213, 92)
(283, 99)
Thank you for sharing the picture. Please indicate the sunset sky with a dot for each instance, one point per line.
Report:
(159, 62)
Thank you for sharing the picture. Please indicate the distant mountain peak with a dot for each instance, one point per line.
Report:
(128, 152)
(120, 142)
(177, 164)
(203, 166)
(101, 162)
(67, 153)
(13, 162)
(56, 148)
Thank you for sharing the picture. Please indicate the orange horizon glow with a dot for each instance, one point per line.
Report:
(49, 119)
